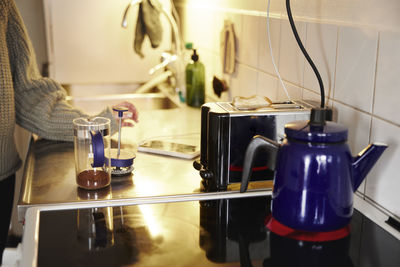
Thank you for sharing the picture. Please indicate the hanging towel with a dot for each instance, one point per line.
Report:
(228, 49)
(148, 24)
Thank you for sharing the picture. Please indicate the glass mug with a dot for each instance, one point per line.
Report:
(92, 152)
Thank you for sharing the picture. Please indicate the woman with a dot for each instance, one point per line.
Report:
(33, 102)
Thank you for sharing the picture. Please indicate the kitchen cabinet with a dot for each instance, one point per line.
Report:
(87, 45)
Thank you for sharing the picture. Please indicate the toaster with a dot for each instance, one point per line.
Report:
(226, 131)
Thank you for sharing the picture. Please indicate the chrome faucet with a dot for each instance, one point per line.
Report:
(166, 59)
(174, 62)
(124, 23)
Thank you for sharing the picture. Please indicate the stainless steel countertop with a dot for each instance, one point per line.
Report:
(49, 175)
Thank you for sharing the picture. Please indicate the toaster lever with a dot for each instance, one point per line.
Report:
(197, 165)
(206, 175)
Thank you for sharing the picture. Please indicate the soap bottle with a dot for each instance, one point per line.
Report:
(195, 76)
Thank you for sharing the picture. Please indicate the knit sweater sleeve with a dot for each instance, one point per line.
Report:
(39, 102)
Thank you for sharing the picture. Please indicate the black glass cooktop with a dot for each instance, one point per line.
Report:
(206, 233)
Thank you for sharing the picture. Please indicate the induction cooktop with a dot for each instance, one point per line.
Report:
(226, 232)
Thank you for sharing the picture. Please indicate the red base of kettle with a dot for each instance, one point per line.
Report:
(282, 230)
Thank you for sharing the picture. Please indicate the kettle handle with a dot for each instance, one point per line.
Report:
(256, 144)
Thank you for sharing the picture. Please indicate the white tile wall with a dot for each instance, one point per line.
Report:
(264, 55)
(360, 65)
(383, 181)
(244, 82)
(321, 45)
(309, 94)
(291, 61)
(295, 92)
(387, 93)
(267, 85)
(358, 124)
(249, 41)
(355, 69)
(210, 69)
(217, 25)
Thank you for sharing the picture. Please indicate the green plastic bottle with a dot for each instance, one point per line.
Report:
(195, 76)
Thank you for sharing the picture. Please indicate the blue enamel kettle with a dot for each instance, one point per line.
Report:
(315, 174)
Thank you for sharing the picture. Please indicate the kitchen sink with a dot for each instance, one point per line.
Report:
(145, 101)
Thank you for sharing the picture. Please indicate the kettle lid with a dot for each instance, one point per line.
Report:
(329, 132)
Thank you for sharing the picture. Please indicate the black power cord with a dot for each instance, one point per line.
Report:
(296, 35)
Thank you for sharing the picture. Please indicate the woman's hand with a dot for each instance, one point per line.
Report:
(131, 114)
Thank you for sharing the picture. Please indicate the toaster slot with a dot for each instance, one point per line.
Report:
(286, 105)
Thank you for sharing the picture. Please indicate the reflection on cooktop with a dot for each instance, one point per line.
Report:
(205, 233)
(233, 230)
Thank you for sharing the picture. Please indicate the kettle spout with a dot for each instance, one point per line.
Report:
(364, 162)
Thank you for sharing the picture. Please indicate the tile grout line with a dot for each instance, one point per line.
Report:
(381, 208)
(367, 113)
(336, 60)
(373, 102)
(279, 58)
(375, 75)
(280, 15)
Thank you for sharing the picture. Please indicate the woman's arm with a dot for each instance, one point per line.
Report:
(39, 102)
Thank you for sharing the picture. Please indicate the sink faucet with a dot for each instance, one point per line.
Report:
(175, 61)
(166, 59)
(124, 23)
